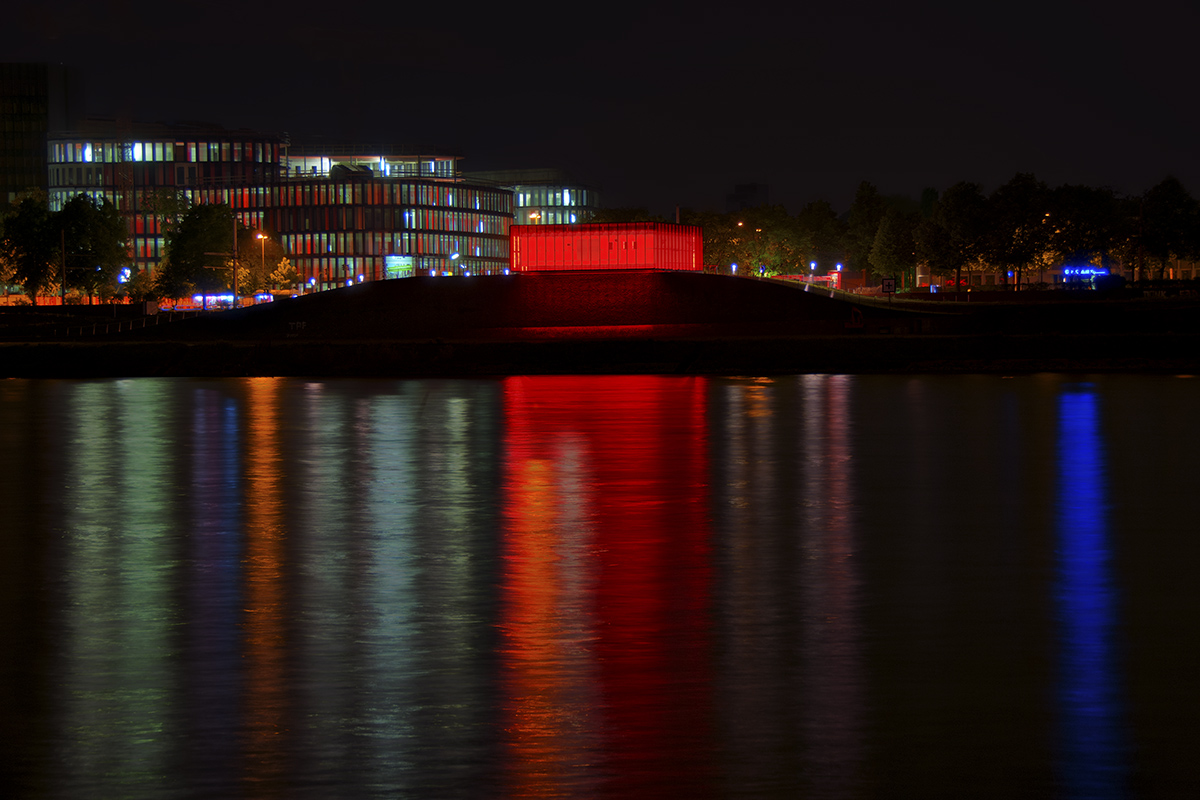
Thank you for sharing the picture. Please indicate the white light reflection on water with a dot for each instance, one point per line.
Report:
(117, 564)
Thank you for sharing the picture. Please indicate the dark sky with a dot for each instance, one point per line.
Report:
(665, 104)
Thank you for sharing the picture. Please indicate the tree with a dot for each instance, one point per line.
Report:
(285, 275)
(257, 252)
(1086, 225)
(894, 250)
(771, 242)
(31, 246)
(951, 237)
(140, 287)
(96, 242)
(818, 224)
(760, 241)
(1170, 223)
(168, 206)
(862, 223)
(1020, 231)
(198, 253)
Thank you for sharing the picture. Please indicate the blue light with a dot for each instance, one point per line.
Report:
(839, 266)
(1091, 723)
(812, 265)
(1087, 270)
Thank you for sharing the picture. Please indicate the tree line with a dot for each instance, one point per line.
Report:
(1021, 226)
(83, 250)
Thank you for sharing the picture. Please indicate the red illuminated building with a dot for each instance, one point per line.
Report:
(612, 246)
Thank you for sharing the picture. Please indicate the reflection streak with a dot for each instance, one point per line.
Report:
(1092, 760)
(606, 587)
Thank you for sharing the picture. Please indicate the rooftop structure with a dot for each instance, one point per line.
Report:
(545, 196)
(609, 246)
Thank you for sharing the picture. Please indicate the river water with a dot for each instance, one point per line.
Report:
(803, 586)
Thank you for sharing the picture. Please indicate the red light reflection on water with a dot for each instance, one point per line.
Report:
(606, 586)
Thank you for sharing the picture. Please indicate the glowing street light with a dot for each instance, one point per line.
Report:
(262, 241)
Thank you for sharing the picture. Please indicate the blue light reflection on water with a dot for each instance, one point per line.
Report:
(212, 646)
(1093, 753)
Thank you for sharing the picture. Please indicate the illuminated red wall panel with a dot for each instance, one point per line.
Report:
(631, 245)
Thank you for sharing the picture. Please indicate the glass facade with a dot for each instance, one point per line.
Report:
(240, 169)
(545, 196)
(338, 231)
(553, 204)
(338, 214)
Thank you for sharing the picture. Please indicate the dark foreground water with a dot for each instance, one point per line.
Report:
(811, 586)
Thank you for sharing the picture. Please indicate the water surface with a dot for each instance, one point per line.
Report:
(819, 586)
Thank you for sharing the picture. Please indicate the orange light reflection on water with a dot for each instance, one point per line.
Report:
(264, 646)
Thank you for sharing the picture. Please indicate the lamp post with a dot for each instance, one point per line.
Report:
(262, 241)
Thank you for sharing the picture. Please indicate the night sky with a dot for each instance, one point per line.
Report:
(665, 104)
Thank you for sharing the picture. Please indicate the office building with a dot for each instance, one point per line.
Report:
(342, 212)
(34, 100)
(544, 196)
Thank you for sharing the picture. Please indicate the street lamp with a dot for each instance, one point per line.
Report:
(262, 241)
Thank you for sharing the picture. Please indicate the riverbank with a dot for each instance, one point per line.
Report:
(589, 323)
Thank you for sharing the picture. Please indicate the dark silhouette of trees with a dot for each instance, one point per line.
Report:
(198, 253)
(952, 236)
(1170, 224)
(1085, 225)
(96, 245)
(1019, 230)
(862, 225)
(819, 225)
(894, 250)
(30, 246)
(92, 238)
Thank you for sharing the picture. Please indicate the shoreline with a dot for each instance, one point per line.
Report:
(912, 354)
(614, 323)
